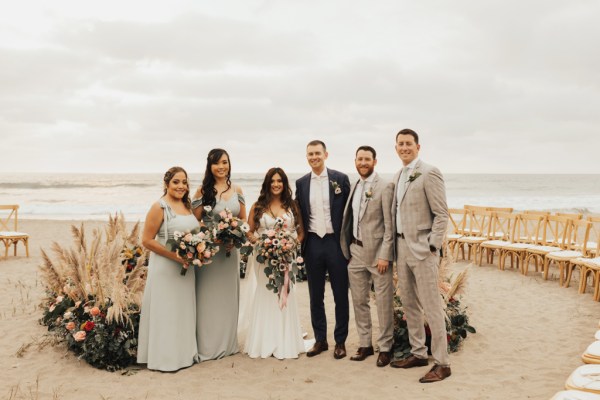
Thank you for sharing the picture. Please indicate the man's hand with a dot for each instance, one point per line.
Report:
(382, 265)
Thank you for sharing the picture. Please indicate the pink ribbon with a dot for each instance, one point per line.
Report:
(284, 290)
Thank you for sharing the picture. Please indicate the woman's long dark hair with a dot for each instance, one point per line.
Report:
(209, 192)
(265, 197)
(167, 179)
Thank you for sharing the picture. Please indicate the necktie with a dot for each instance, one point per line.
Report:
(319, 213)
(400, 194)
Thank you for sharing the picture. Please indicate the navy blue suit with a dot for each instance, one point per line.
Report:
(323, 255)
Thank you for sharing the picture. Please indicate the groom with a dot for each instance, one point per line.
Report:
(322, 195)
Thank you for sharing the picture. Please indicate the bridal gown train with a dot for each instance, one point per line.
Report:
(271, 331)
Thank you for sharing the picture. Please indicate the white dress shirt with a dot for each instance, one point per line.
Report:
(323, 180)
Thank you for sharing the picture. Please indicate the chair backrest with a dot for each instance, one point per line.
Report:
(457, 219)
(592, 243)
(529, 228)
(555, 231)
(570, 215)
(478, 223)
(500, 209)
(12, 216)
(503, 225)
(579, 234)
(536, 212)
(473, 208)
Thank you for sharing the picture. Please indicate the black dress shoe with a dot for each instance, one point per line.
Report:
(384, 358)
(410, 362)
(340, 351)
(362, 353)
(317, 349)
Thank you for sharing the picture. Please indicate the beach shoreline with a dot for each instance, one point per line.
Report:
(530, 336)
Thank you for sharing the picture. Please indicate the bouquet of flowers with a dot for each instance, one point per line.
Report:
(195, 247)
(276, 248)
(227, 228)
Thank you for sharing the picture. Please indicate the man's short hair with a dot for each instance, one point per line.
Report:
(316, 143)
(367, 148)
(408, 132)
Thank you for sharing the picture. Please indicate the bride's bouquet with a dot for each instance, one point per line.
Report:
(227, 228)
(276, 248)
(195, 247)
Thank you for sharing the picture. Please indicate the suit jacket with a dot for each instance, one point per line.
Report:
(336, 201)
(423, 209)
(375, 223)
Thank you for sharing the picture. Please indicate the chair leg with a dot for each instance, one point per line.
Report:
(26, 241)
(546, 267)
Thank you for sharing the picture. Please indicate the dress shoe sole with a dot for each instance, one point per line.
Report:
(423, 363)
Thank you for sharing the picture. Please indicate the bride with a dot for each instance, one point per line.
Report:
(271, 328)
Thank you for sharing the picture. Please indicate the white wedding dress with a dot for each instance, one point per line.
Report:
(268, 329)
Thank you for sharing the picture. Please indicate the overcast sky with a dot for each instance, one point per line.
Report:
(138, 86)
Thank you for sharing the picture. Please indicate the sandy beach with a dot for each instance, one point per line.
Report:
(530, 335)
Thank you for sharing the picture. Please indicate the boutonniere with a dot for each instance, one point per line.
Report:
(336, 187)
(368, 195)
(414, 176)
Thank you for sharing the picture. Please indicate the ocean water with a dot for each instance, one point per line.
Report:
(94, 196)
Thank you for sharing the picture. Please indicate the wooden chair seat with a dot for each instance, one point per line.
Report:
(585, 378)
(540, 249)
(575, 395)
(592, 353)
(564, 255)
(12, 237)
(495, 244)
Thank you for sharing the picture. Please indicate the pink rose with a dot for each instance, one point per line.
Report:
(270, 233)
(299, 260)
(70, 326)
(79, 336)
(187, 237)
(190, 255)
(95, 311)
(201, 247)
(207, 254)
(223, 214)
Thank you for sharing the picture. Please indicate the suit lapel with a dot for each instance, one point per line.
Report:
(407, 186)
(364, 206)
(330, 186)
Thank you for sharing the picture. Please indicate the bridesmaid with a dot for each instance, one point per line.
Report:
(167, 332)
(217, 284)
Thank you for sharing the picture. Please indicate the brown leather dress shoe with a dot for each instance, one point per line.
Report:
(340, 351)
(362, 353)
(384, 358)
(437, 373)
(317, 349)
(409, 362)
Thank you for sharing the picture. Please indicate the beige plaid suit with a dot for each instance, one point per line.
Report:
(376, 228)
(424, 218)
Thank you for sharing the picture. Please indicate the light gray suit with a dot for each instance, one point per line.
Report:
(424, 220)
(376, 230)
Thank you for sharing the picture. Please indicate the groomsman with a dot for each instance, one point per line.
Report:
(321, 195)
(368, 241)
(421, 220)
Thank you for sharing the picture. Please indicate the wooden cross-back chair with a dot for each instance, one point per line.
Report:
(456, 227)
(503, 228)
(536, 212)
(576, 241)
(589, 264)
(478, 221)
(526, 235)
(9, 234)
(554, 233)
